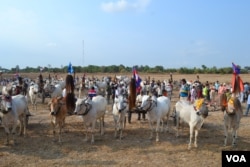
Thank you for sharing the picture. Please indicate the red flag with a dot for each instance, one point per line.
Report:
(237, 84)
(136, 77)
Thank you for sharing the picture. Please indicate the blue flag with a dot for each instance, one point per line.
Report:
(70, 68)
(236, 69)
(136, 77)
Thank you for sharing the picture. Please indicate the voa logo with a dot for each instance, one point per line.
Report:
(236, 158)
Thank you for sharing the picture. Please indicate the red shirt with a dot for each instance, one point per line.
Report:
(92, 93)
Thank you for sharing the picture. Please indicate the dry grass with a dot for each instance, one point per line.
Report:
(38, 148)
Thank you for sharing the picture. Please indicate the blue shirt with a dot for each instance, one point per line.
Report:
(184, 90)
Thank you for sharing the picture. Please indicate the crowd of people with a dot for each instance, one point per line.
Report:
(188, 90)
(211, 92)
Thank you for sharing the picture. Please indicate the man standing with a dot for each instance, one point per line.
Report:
(216, 85)
(185, 90)
(248, 104)
(138, 103)
(205, 92)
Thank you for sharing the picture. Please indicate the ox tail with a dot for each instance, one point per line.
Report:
(174, 116)
(70, 96)
(132, 94)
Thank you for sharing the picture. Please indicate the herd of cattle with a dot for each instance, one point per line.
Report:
(14, 106)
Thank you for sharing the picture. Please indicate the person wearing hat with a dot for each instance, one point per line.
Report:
(185, 90)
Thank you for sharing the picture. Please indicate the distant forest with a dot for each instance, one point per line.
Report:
(123, 69)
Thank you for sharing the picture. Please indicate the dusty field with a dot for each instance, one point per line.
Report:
(38, 148)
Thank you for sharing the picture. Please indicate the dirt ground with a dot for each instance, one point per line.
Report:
(135, 149)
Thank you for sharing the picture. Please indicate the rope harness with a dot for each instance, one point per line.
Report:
(87, 109)
(150, 108)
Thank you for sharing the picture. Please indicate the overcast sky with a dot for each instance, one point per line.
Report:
(168, 33)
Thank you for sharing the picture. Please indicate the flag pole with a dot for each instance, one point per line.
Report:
(83, 54)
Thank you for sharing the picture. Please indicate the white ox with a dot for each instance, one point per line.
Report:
(33, 93)
(186, 112)
(101, 85)
(54, 90)
(9, 118)
(232, 115)
(120, 109)
(90, 112)
(157, 109)
(20, 105)
(13, 109)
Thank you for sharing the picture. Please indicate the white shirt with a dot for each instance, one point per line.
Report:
(64, 92)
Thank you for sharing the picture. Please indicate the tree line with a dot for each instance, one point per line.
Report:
(123, 69)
